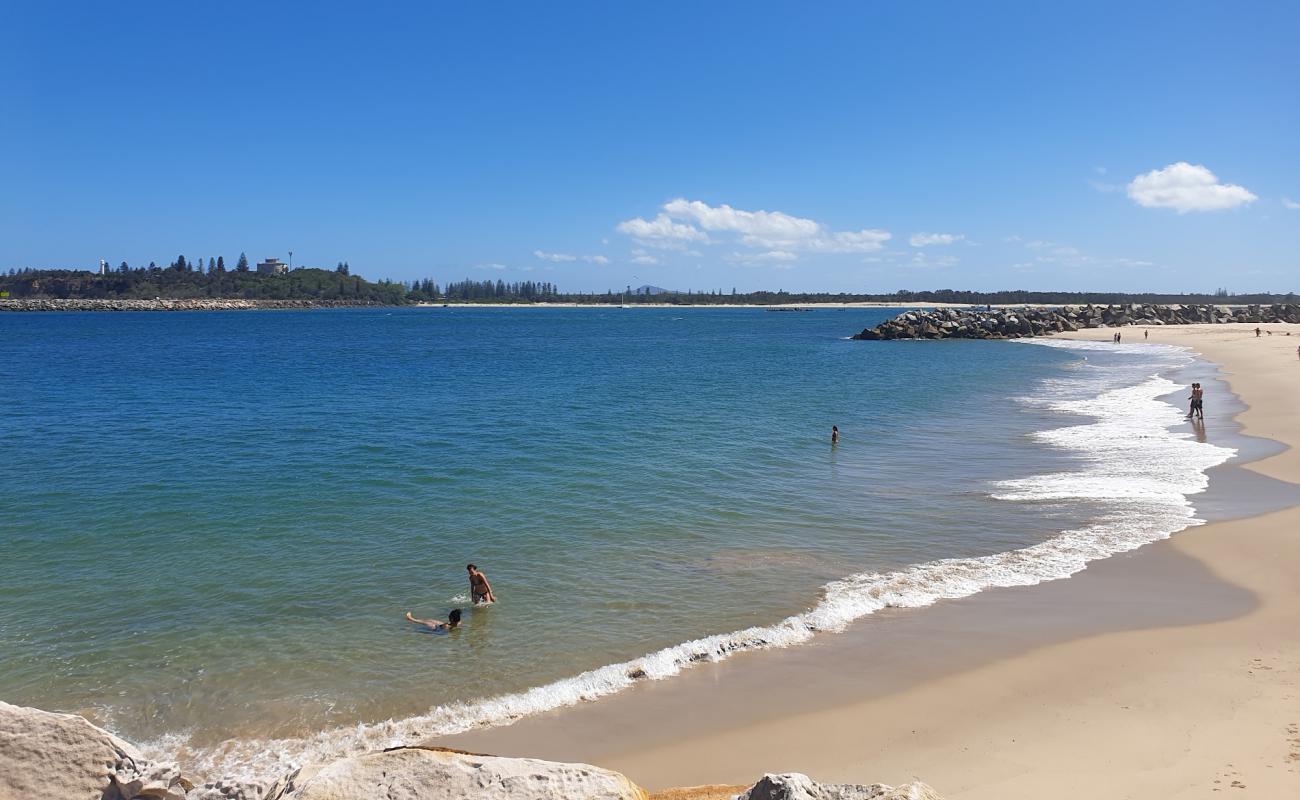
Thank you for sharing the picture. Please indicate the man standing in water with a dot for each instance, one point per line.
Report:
(835, 434)
(480, 591)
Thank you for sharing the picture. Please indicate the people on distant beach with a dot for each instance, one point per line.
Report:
(1197, 397)
(1116, 337)
(1146, 334)
(835, 434)
(1256, 331)
(480, 591)
(453, 621)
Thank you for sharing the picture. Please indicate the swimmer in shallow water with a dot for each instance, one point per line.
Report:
(453, 621)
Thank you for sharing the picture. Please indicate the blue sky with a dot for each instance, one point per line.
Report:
(805, 146)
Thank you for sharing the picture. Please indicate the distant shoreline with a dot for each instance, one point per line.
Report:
(36, 305)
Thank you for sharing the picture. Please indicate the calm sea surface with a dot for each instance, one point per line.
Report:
(213, 523)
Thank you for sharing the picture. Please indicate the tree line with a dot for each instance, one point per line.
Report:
(192, 279)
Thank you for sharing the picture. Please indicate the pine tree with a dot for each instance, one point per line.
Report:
(221, 263)
(242, 266)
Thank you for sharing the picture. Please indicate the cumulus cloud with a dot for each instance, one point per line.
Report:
(682, 220)
(560, 258)
(929, 239)
(1186, 187)
(661, 231)
(1291, 204)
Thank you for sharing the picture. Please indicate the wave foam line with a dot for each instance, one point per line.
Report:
(1132, 460)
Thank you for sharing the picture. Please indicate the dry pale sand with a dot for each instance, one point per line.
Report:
(1194, 710)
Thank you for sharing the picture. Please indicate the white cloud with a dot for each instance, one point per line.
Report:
(928, 239)
(780, 259)
(1062, 255)
(490, 266)
(560, 258)
(1186, 187)
(770, 231)
(923, 261)
(640, 256)
(661, 231)
(556, 257)
(1291, 204)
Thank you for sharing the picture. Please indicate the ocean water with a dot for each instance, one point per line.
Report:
(214, 522)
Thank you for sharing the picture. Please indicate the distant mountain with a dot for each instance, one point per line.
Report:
(648, 289)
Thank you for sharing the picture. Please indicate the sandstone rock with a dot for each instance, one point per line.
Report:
(794, 786)
(46, 755)
(421, 774)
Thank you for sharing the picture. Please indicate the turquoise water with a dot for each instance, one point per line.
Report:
(214, 522)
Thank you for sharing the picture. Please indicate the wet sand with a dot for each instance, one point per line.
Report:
(1171, 671)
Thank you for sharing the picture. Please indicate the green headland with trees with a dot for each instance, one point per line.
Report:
(184, 279)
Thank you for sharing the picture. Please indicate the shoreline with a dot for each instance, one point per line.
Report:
(974, 726)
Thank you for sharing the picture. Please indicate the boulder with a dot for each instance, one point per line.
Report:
(63, 756)
(415, 773)
(795, 786)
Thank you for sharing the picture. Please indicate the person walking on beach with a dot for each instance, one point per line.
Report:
(835, 434)
(453, 621)
(1256, 331)
(1146, 334)
(480, 591)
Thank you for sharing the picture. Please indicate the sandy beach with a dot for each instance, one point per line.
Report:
(1167, 672)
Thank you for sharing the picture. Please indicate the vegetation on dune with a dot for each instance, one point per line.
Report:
(184, 279)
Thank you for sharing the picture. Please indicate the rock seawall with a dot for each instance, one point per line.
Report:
(164, 304)
(1007, 323)
(65, 757)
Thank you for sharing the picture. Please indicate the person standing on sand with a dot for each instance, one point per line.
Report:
(1257, 332)
(480, 591)
(1146, 334)
(835, 434)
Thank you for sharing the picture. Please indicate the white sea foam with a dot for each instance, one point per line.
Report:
(1133, 461)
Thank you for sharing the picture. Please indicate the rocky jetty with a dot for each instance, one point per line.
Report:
(163, 304)
(1015, 323)
(63, 756)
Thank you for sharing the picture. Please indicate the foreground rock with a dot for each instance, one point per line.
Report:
(413, 773)
(1004, 323)
(794, 786)
(45, 756)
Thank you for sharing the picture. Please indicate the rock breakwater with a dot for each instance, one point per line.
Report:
(166, 304)
(1016, 323)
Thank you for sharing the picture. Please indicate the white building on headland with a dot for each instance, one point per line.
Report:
(272, 266)
(103, 267)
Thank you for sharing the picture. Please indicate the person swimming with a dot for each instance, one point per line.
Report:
(835, 434)
(480, 591)
(453, 621)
